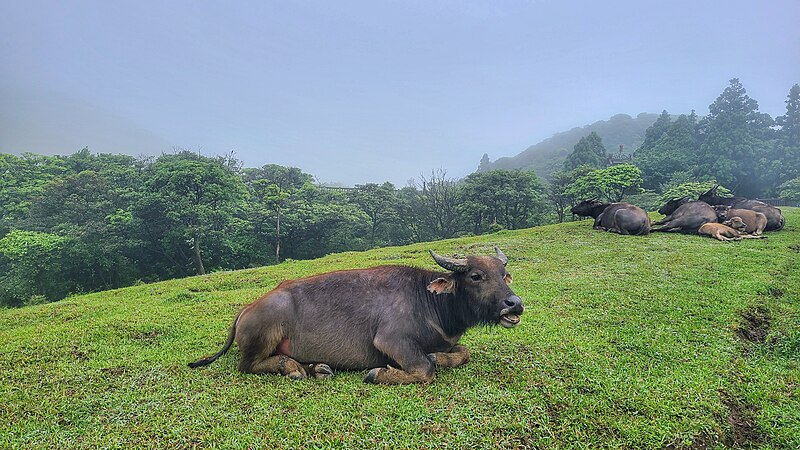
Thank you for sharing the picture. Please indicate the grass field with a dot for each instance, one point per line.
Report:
(665, 341)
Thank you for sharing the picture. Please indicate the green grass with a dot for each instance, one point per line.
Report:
(627, 342)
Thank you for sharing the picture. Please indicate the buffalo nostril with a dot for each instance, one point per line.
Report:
(511, 302)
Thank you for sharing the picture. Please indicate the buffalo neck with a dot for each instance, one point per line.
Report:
(598, 209)
(453, 312)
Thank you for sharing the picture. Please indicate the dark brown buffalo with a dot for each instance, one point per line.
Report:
(755, 221)
(622, 218)
(684, 215)
(401, 322)
(775, 219)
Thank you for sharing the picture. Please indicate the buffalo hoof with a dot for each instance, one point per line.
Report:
(296, 375)
(370, 378)
(321, 371)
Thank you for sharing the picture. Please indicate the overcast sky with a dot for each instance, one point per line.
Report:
(369, 91)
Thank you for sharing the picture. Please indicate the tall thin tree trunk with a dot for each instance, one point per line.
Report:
(198, 260)
(278, 237)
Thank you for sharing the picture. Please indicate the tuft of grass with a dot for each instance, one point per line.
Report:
(664, 341)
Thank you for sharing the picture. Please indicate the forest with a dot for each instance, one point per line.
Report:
(88, 222)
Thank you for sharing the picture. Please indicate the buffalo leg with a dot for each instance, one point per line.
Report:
(667, 229)
(457, 356)
(320, 371)
(415, 364)
(280, 364)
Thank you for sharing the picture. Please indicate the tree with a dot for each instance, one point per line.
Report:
(510, 198)
(692, 189)
(655, 131)
(271, 190)
(588, 151)
(379, 203)
(199, 196)
(438, 199)
(611, 184)
(669, 147)
(22, 178)
(557, 195)
(87, 208)
(33, 267)
(735, 141)
(790, 190)
(788, 142)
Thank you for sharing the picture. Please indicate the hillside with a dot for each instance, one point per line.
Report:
(664, 341)
(548, 156)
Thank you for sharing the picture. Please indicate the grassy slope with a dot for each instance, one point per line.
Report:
(627, 342)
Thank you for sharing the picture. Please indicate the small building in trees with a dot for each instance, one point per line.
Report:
(620, 157)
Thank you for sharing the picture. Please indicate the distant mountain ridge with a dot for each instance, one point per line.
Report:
(548, 156)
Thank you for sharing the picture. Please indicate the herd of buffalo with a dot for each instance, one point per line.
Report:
(400, 323)
(723, 218)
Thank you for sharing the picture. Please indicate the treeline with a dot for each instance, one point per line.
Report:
(88, 222)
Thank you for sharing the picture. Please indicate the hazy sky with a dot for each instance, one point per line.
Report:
(369, 91)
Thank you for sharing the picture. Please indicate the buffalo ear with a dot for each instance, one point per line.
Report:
(508, 278)
(442, 286)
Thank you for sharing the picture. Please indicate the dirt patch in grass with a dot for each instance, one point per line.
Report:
(114, 371)
(149, 336)
(742, 420)
(754, 326)
(703, 441)
(79, 354)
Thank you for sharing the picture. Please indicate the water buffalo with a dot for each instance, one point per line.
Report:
(622, 218)
(684, 215)
(731, 230)
(755, 221)
(775, 219)
(400, 322)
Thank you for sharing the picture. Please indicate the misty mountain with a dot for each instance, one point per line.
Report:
(548, 156)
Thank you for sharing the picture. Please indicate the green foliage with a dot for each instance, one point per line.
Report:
(692, 189)
(588, 151)
(610, 184)
(669, 147)
(625, 344)
(735, 142)
(558, 196)
(31, 266)
(787, 152)
(438, 205)
(199, 196)
(790, 190)
(513, 199)
(379, 202)
(273, 191)
(22, 178)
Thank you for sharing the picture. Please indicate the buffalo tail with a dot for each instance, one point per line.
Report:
(225, 348)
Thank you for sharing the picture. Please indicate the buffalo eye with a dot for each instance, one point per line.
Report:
(476, 277)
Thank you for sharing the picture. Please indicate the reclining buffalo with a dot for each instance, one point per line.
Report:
(775, 220)
(684, 215)
(622, 218)
(731, 230)
(755, 222)
(400, 322)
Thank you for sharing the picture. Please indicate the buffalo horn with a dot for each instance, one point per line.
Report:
(503, 258)
(453, 264)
